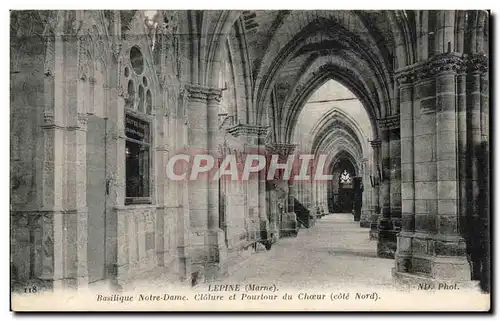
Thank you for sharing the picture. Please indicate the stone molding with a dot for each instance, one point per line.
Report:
(33, 219)
(116, 49)
(203, 94)
(477, 63)
(49, 64)
(48, 117)
(390, 122)
(375, 143)
(283, 150)
(82, 120)
(447, 62)
(162, 148)
(49, 120)
(248, 130)
(122, 93)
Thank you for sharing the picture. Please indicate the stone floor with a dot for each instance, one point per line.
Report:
(334, 253)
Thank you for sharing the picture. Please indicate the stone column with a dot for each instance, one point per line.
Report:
(462, 150)
(274, 219)
(206, 238)
(289, 222)
(251, 137)
(365, 210)
(395, 187)
(322, 196)
(216, 239)
(485, 175)
(385, 228)
(322, 199)
(291, 217)
(76, 216)
(61, 224)
(403, 254)
(375, 180)
(449, 261)
(51, 217)
(390, 221)
(436, 251)
(477, 220)
(117, 255)
(474, 139)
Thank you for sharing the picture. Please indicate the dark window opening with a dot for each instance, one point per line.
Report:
(137, 161)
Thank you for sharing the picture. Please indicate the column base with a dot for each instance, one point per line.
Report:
(364, 223)
(373, 231)
(386, 239)
(208, 256)
(365, 218)
(386, 244)
(274, 231)
(216, 266)
(357, 214)
(289, 226)
(438, 257)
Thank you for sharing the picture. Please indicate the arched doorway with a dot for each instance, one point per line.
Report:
(341, 194)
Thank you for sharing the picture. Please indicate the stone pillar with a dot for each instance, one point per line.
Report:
(462, 151)
(477, 217)
(322, 196)
(390, 221)
(385, 227)
(403, 254)
(207, 239)
(51, 219)
(274, 219)
(117, 255)
(375, 180)
(291, 196)
(449, 246)
(168, 209)
(289, 219)
(474, 139)
(322, 199)
(251, 137)
(61, 223)
(77, 215)
(365, 210)
(395, 186)
(485, 175)
(216, 239)
(435, 252)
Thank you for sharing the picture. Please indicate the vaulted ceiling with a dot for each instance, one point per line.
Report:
(292, 53)
(287, 49)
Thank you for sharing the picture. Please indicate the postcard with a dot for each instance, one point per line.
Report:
(258, 160)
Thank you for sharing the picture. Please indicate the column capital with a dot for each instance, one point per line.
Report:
(428, 69)
(82, 119)
(389, 122)
(203, 93)
(248, 130)
(281, 149)
(48, 117)
(116, 49)
(477, 63)
(375, 143)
